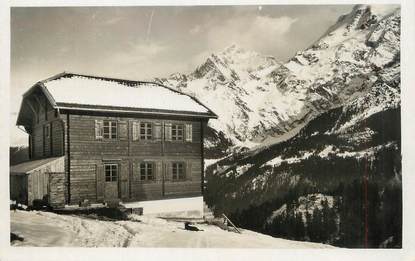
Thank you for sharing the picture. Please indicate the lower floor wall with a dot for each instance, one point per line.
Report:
(179, 207)
(48, 187)
(90, 180)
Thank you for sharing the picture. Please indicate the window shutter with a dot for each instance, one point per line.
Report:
(100, 176)
(158, 175)
(167, 131)
(136, 171)
(169, 172)
(99, 125)
(136, 130)
(43, 141)
(157, 130)
(188, 171)
(123, 177)
(189, 132)
(122, 130)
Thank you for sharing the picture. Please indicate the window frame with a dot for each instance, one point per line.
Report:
(175, 168)
(110, 127)
(110, 177)
(175, 130)
(148, 131)
(146, 165)
(47, 131)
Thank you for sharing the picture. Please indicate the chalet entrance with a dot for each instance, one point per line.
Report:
(111, 171)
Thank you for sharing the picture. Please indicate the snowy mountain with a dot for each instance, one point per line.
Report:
(350, 81)
(261, 101)
(234, 84)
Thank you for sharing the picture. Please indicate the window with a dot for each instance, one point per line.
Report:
(46, 111)
(110, 130)
(146, 131)
(47, 131)
(146, 171)
(178, 170)
(189, 134)
(177, 132)
(111, 172)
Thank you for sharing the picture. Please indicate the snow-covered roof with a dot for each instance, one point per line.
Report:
(75, 91)
(30, 166)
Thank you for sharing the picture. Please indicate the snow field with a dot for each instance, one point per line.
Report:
(50, 229)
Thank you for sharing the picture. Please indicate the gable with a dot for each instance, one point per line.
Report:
(33, 106)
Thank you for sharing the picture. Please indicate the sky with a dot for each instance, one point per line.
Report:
(141, 43)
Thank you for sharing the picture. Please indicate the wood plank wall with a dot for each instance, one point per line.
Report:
(53, 145)
(38, 180)
(88, 155)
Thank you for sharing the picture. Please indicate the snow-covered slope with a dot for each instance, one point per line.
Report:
(258, 98)
(49, 229)
(305, 206)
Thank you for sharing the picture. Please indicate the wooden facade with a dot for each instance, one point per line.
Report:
(120, 156)
(89, 155)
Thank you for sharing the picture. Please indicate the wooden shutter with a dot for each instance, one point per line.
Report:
(188, 170)
(130, 179)
(100, 177)
(123, 130)
(189, 132)
(123, 173)
(169, 173)
(99, 128)
(167, 131)
(135, 171)
(157, 130)
(158, 175)
(50, 139)
(136, 130)
(43, 141)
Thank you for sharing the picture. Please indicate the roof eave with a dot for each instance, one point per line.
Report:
(209, 115)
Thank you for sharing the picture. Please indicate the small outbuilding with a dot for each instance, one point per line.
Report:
(42, 179)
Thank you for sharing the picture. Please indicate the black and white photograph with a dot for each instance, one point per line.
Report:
(215, 126)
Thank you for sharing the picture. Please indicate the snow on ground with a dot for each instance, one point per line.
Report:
(209, 162)
(326, 151)
(50, 229)
(242, 169)
(278, 160)
(179, 207)
(305, 204)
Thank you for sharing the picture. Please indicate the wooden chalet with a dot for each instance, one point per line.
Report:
(117, 140)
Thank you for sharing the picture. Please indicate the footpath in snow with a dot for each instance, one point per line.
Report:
(50, 229)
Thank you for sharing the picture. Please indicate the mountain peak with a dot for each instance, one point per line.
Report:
(234, 63)
(233, 48)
